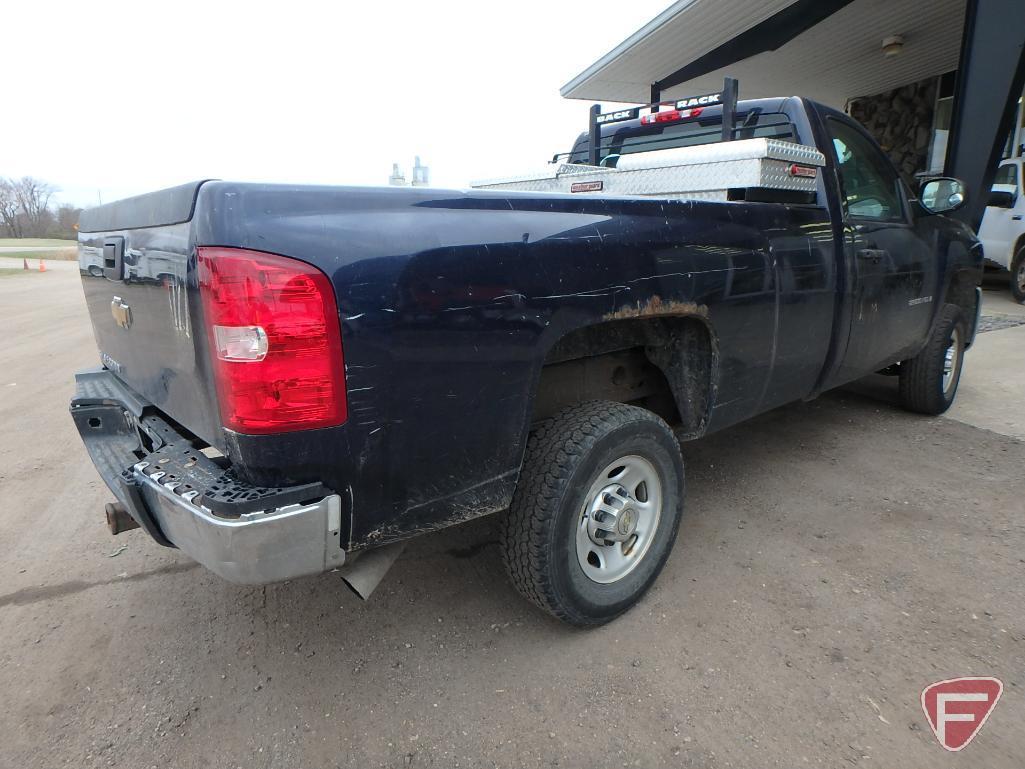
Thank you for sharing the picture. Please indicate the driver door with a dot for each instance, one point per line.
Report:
(892, 269)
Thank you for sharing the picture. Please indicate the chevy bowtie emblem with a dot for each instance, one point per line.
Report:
(121, 311)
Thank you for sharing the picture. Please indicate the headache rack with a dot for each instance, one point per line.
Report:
(756, 169)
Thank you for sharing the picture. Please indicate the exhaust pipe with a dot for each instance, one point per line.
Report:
(364, 571)
(118, 519)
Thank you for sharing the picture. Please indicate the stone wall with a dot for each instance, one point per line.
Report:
(901, 121)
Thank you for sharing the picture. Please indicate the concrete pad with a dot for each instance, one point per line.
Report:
(997, 300)
(52, 265)
(992, 390)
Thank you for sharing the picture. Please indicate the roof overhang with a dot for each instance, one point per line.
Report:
(828, 50)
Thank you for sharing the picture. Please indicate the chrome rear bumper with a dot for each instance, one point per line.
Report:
(184, 499)
(255, 548)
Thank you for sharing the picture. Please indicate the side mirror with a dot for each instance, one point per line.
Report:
(942, 195)
(1001, 199)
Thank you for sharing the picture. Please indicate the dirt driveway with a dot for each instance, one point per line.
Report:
(835, 558)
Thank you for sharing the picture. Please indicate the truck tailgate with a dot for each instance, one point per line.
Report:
(140, 289)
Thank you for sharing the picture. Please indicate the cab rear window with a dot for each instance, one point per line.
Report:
(628, 140)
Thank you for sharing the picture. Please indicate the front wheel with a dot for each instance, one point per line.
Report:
(1018, 276)
(928, 382)
(595, 512)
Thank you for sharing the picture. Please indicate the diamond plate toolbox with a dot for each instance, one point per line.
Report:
(705, 171)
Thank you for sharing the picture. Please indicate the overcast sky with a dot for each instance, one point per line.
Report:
(113, 99)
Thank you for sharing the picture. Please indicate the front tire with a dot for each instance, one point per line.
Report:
(928, 382)
(596, 511)
(1018, 276)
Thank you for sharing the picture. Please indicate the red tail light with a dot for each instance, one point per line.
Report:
(275, 341)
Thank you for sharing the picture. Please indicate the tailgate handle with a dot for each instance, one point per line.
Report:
(113, 258)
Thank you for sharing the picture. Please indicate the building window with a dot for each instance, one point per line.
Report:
(941, 123)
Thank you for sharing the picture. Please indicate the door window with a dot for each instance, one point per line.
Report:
(870, 184)
(1007, 175)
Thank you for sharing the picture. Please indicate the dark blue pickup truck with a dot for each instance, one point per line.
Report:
(296, 379)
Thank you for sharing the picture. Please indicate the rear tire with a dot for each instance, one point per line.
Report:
(1018, 276)
(928, 382)
(593, 464)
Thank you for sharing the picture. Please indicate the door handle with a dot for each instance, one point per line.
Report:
(874, 255)
(1017, 217)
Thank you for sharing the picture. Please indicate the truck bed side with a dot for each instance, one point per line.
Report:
(451, 301)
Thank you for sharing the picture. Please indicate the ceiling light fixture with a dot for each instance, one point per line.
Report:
(893, 45)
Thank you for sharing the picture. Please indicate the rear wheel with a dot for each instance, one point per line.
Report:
(596, 511)
(1018, 276)
(928, 382)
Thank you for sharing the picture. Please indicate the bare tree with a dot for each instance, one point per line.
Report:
(67, 221)
(33, 198)
(9, 209)
(25, 210)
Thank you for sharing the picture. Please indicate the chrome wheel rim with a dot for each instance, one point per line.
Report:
(618, 519)
(951, 359)
(1019, 277)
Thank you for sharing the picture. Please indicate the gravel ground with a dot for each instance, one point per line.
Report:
(835, 558)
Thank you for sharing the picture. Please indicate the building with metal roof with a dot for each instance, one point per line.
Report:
(895, 60)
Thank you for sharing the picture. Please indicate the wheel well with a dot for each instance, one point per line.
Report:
(1018, 246)
(663, 364)
(961, 292)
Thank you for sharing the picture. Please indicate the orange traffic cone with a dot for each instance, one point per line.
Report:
(42, 266)
(24, 262)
